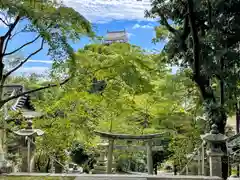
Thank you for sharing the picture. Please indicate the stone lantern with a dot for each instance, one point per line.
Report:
(214, 140)
(29, 133)
(101, 165)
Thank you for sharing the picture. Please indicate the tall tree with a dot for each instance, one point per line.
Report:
(53, 25)
(206, 40)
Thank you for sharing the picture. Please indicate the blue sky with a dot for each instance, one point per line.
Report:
(104, 15)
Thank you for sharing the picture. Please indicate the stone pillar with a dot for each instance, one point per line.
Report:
(24, 164)
(102, 155)
(199, 162)
(214, 140)
(110, 156)
(203, 160)
(29, 154)
(27, 151)
(215, 163)
(187, 170)
(2, 159)
(52, 166)
(149, 157)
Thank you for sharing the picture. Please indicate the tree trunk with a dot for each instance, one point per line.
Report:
(38, 163)
(175, 169)
(237, 127)
(48, 165)
(155, 170)
(216, 113)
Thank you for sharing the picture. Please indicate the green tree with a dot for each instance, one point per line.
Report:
(207, 43)
(53, 25)
(125, 69)
(117, 88)
(171, 102)
(202, 43)
(38, 18)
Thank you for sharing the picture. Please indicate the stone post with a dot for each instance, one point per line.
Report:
(110, 156)
(3, 146)
(102, 155)
(52, 166)
(199, 162)
(28, 146)
(203, 160)
(29, 154)
(2, 159)
(214, 140)
(149, 157)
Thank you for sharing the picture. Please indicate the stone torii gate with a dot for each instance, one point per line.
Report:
(148, 138)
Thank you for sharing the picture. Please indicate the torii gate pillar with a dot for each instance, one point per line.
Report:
(110, 156)
(149, 158)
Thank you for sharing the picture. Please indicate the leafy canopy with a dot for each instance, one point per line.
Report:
(53, 23)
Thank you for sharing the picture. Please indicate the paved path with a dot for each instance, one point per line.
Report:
(110, 178)
(163, 173)
(85, 176)
(117, 177)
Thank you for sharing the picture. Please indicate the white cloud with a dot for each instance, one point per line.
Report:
(130, 35)
(102, 11)
(40, 61)
(34, 69)
(137, 26)
(37, 69)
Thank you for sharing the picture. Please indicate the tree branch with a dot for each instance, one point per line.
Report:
(4, 22)
(16, 33)
(24, 45)
(209, 13)
(34, 90)
(24, 61)
(186, 29)
(5, 45)
(12, 26)
(195, 39)
(167, 25)
(184, 35)
(222, 88)
(7, 35)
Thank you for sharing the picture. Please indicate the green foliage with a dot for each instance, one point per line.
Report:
(117, 88)
(53, 23)
(134, 161)
(189, 141)
(78, 154)
(171, 102)
(140, 96)
(207, 45)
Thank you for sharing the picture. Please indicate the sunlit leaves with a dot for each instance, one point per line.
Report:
(140, 97)
(57, 24)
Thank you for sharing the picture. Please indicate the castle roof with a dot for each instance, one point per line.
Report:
(116, 36)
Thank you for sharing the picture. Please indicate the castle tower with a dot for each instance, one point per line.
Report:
(116, 36)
